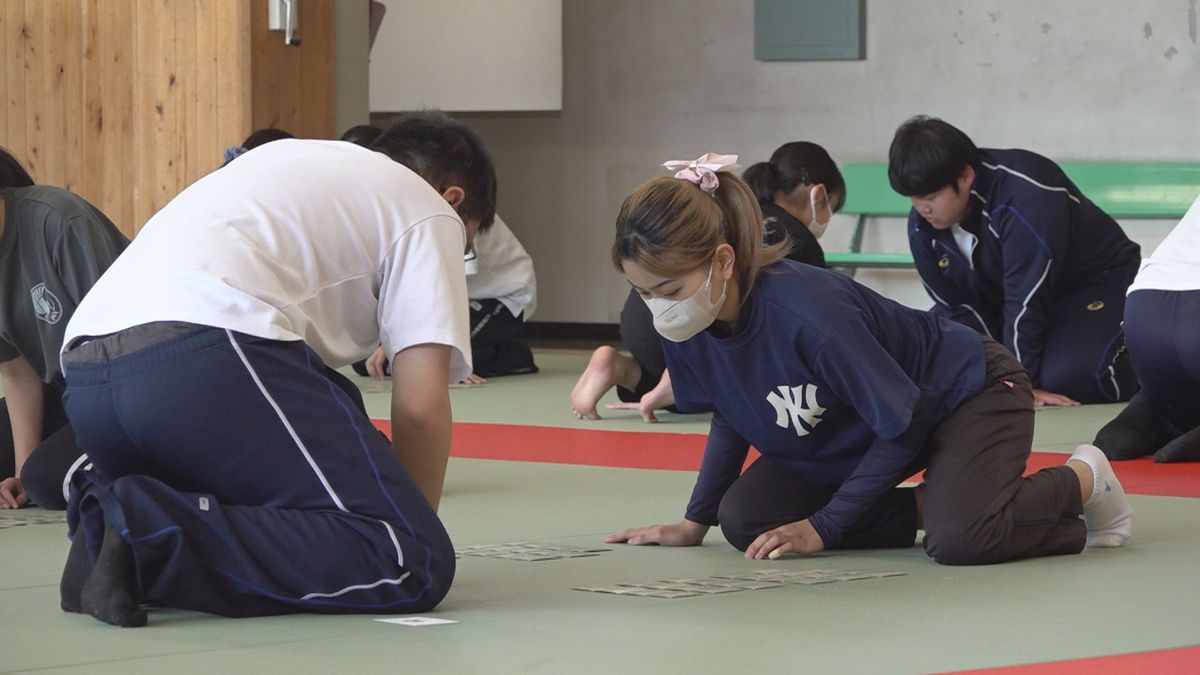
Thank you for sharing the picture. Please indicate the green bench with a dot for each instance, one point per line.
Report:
(1132, 190)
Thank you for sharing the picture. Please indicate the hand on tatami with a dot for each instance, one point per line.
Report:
(377, 364)
(661, 396)
(644, 410)
(683, 533)
(12, 494)
(473, 379)
(1041, 398)
(798, 537)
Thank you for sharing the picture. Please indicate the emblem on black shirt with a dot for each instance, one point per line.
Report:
(797, 406)
(46, 306)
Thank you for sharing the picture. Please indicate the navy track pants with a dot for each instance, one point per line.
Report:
(249, 483)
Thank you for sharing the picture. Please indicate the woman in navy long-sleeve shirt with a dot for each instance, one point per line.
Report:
(845, 393)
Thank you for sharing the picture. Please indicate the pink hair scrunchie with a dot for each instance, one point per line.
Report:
(703, 170)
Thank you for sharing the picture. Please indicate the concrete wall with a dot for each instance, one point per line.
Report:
(649, 81)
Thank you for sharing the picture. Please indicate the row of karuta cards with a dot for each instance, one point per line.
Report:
(762, 579)
(530, 552)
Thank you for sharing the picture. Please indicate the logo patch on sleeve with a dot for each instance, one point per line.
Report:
(46, 306)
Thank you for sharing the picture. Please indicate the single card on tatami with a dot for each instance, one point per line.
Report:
(417, 621)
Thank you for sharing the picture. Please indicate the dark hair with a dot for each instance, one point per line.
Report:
(264, 136)
(793, 164)
(12, 174)
(362, 134)
(445, 152)
(927, 154)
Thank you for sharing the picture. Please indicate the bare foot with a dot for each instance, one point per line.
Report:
(606, 369)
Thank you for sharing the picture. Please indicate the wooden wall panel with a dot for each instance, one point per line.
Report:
(127, 102)
(233, 72)
(16, 34)
(186, 58)
(294, 86)
(112, 85)
(74, 110)
(50, 117)
(34, 44)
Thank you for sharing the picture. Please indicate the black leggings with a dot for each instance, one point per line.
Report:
(43, 473)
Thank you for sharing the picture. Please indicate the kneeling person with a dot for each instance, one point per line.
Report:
(845, 393)
(1006, 244)
(232, 472)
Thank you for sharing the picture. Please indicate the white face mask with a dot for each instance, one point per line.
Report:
(679, 320)
(816, 226)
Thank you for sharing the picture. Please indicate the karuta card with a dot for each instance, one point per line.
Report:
(417, 621)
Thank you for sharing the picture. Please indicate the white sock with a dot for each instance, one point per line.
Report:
(1108, 513)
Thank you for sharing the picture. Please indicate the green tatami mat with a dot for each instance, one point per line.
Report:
(523, 617)
(540, 399)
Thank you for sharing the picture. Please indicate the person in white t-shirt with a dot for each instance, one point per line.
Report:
(229, 472)
(502, 290)
(1162, 328)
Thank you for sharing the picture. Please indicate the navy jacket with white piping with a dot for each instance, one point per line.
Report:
(1037, 237)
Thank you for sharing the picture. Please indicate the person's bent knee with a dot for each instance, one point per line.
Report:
(735, 526)
(963, 545)
(439, 586)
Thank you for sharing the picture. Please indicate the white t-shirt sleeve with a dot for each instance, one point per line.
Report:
(423, 293)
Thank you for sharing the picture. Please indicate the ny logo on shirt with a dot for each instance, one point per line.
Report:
(797, 406)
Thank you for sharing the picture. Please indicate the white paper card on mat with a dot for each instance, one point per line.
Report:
(417, 621)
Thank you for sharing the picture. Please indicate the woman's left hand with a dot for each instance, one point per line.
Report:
(798, 537)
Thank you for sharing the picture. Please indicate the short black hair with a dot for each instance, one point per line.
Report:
(927, 154)
(264, 136)
(362, 134)
(12, 174)
(445, 152)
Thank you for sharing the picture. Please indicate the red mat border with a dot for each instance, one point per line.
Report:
(682, 452)
(1161, 662)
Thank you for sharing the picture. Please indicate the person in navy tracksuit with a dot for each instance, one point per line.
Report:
(1005, 243)
(845, 393)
